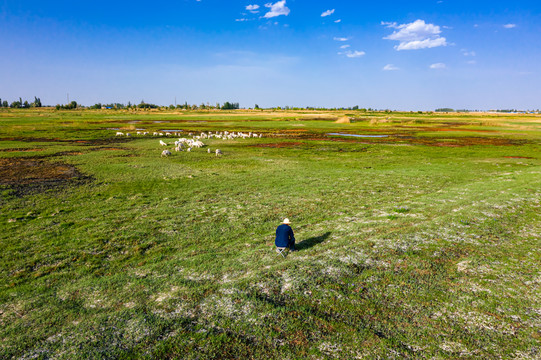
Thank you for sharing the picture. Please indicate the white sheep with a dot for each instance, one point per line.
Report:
(189, 149)
(208, 150)
(198, 144)
(155, 133)
(218, 152)
(166, 153)
(128, 134)
(118, 133)
(162, 143)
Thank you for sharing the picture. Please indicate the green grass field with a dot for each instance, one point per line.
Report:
(423, 244)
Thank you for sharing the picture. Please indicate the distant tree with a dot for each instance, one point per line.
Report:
(5, 104)
(144, 105)
(356, 107)
(37, 102)
(96, 106)
(26, 105)
(1, 105)
(445, 110)
(230, 106)
(16, 104)
(256, 107)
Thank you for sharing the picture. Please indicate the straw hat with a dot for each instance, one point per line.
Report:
(286, 221)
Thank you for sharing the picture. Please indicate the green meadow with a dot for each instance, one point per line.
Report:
(423, 244)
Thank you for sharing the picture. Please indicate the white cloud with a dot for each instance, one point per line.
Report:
(415, 35)
(337, 21)
(327, 13)
(253, 8)
(277, 9)
(390, 67)
(344, 46)
(340, 39)
(438, 66)
(352, 54)
(241, 20)
(467, 53)
(510, 26)
(424, 44)
(472, 62)
(355, 54)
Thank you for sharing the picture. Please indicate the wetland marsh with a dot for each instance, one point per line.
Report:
(420, 244)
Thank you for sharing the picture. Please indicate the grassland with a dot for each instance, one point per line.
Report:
(424, 244)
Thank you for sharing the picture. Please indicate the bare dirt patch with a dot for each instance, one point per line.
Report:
(29, 175)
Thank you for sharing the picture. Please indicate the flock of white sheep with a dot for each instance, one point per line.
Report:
(195, 142)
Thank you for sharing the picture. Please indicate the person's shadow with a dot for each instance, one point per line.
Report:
(313, 241)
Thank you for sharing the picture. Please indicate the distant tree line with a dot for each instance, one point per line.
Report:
(20, 104)
(71, 106)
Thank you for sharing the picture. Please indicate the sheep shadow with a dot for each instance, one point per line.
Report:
(313, 241)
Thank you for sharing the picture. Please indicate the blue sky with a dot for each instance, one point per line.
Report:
(388, 54)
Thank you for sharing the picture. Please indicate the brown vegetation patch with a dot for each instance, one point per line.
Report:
(518, 157)
(28, 175)
(68, 153)
(95, 142)
(21, 150)
(108, 149)
(463, 130)
(407, 139)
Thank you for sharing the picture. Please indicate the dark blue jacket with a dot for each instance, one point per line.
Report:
(284, 236)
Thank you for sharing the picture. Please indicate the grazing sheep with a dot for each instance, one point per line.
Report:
(219, 152)
(162, 143)
(155, 133)
(138, 133)
(128, 134)
(189, 149)
(118, 133)
(198, 144)
(166, 153)
(208, 150)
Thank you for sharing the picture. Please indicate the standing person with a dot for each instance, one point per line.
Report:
(284, 236)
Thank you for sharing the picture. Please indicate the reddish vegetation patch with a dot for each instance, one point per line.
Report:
(25, 175)
(409, 139)
(466, 130)
(518, 157)
(68, 153)
(278, 145)
(21, 150)
(96, 142)
(108, 149)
